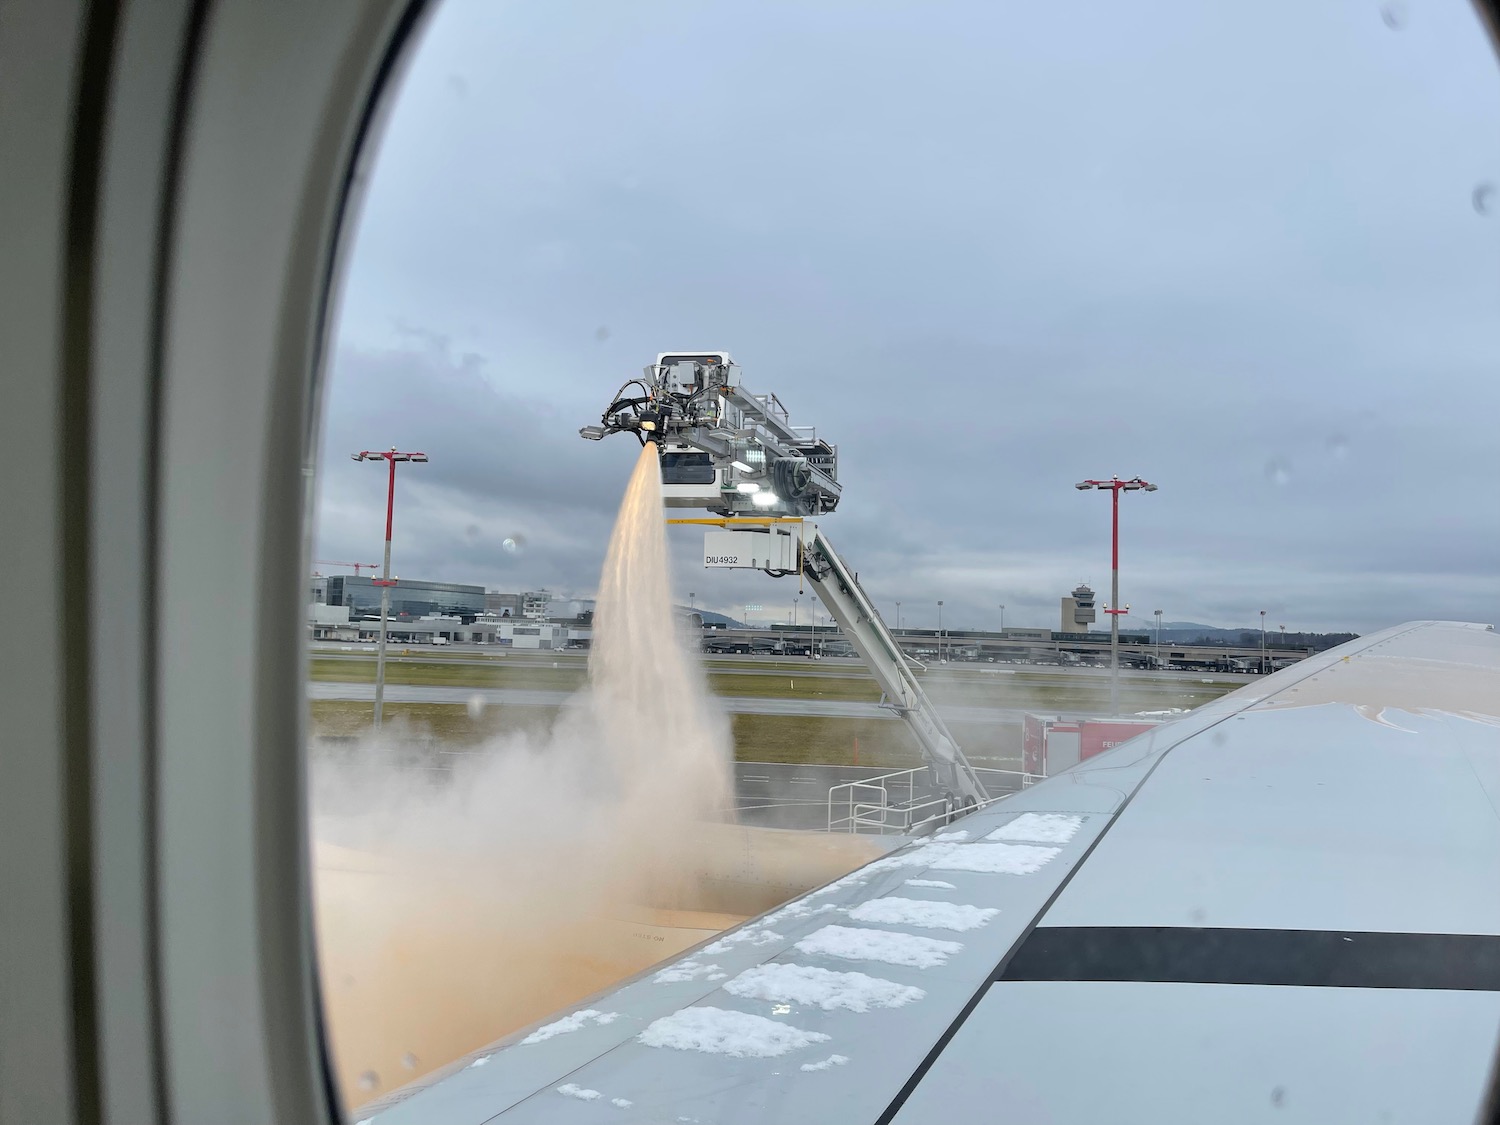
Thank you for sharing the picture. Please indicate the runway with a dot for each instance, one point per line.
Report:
(734, 705)
(826, 668)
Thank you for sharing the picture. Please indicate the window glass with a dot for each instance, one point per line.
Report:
(981, 255)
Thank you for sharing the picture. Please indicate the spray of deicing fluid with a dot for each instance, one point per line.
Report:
(658, 730)
(455, 905)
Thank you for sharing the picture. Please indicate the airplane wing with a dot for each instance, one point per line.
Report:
(1281, 907)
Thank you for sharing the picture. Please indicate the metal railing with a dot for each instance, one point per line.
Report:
(1004, 783)
(885, 803)
(894, 803)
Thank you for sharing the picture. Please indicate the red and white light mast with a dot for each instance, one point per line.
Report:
(385, 582)
(1115, 486)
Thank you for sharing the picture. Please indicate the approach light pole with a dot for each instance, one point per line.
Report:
(940, 631)
(1002, 619)
(1115, 486)
(1262, 642)
(385, 582)
(1158, 640)
(898, 617)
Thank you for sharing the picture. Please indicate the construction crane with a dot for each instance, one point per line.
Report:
(371, 567)
(737, 455)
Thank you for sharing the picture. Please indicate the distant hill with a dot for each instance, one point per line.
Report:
(1193, 632)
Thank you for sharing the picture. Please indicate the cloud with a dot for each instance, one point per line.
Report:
(502, 466)
(988, 253)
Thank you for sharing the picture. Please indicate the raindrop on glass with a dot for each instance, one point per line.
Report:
(513, 544)
(409, 1061)
(475, 705)
(1338, 446)
(369, 1080)
(1483, 198)
(472, 531)
(1278, 472)
(1393, 14)
(601, 333)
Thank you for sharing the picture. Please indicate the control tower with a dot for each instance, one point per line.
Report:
(1078, 610)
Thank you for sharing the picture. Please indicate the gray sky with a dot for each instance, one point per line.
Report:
(989, 250)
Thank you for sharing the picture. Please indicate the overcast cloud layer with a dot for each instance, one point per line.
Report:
(989, 250)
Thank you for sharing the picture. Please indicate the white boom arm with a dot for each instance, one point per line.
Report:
(737, 454)
(862, 624)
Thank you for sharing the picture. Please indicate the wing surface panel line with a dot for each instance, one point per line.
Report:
(909, 1087)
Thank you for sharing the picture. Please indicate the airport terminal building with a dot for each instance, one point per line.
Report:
(411, 598)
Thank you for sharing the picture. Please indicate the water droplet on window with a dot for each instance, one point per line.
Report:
(1278, 1096)
(1393, 14)
(369, 1080)
(601, 333)
(513, 544)
(409, 1061)
(1483, 197)
(475, 705)
(1338, 446)
(1278, 471)
(459, 85)
(472, 531)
